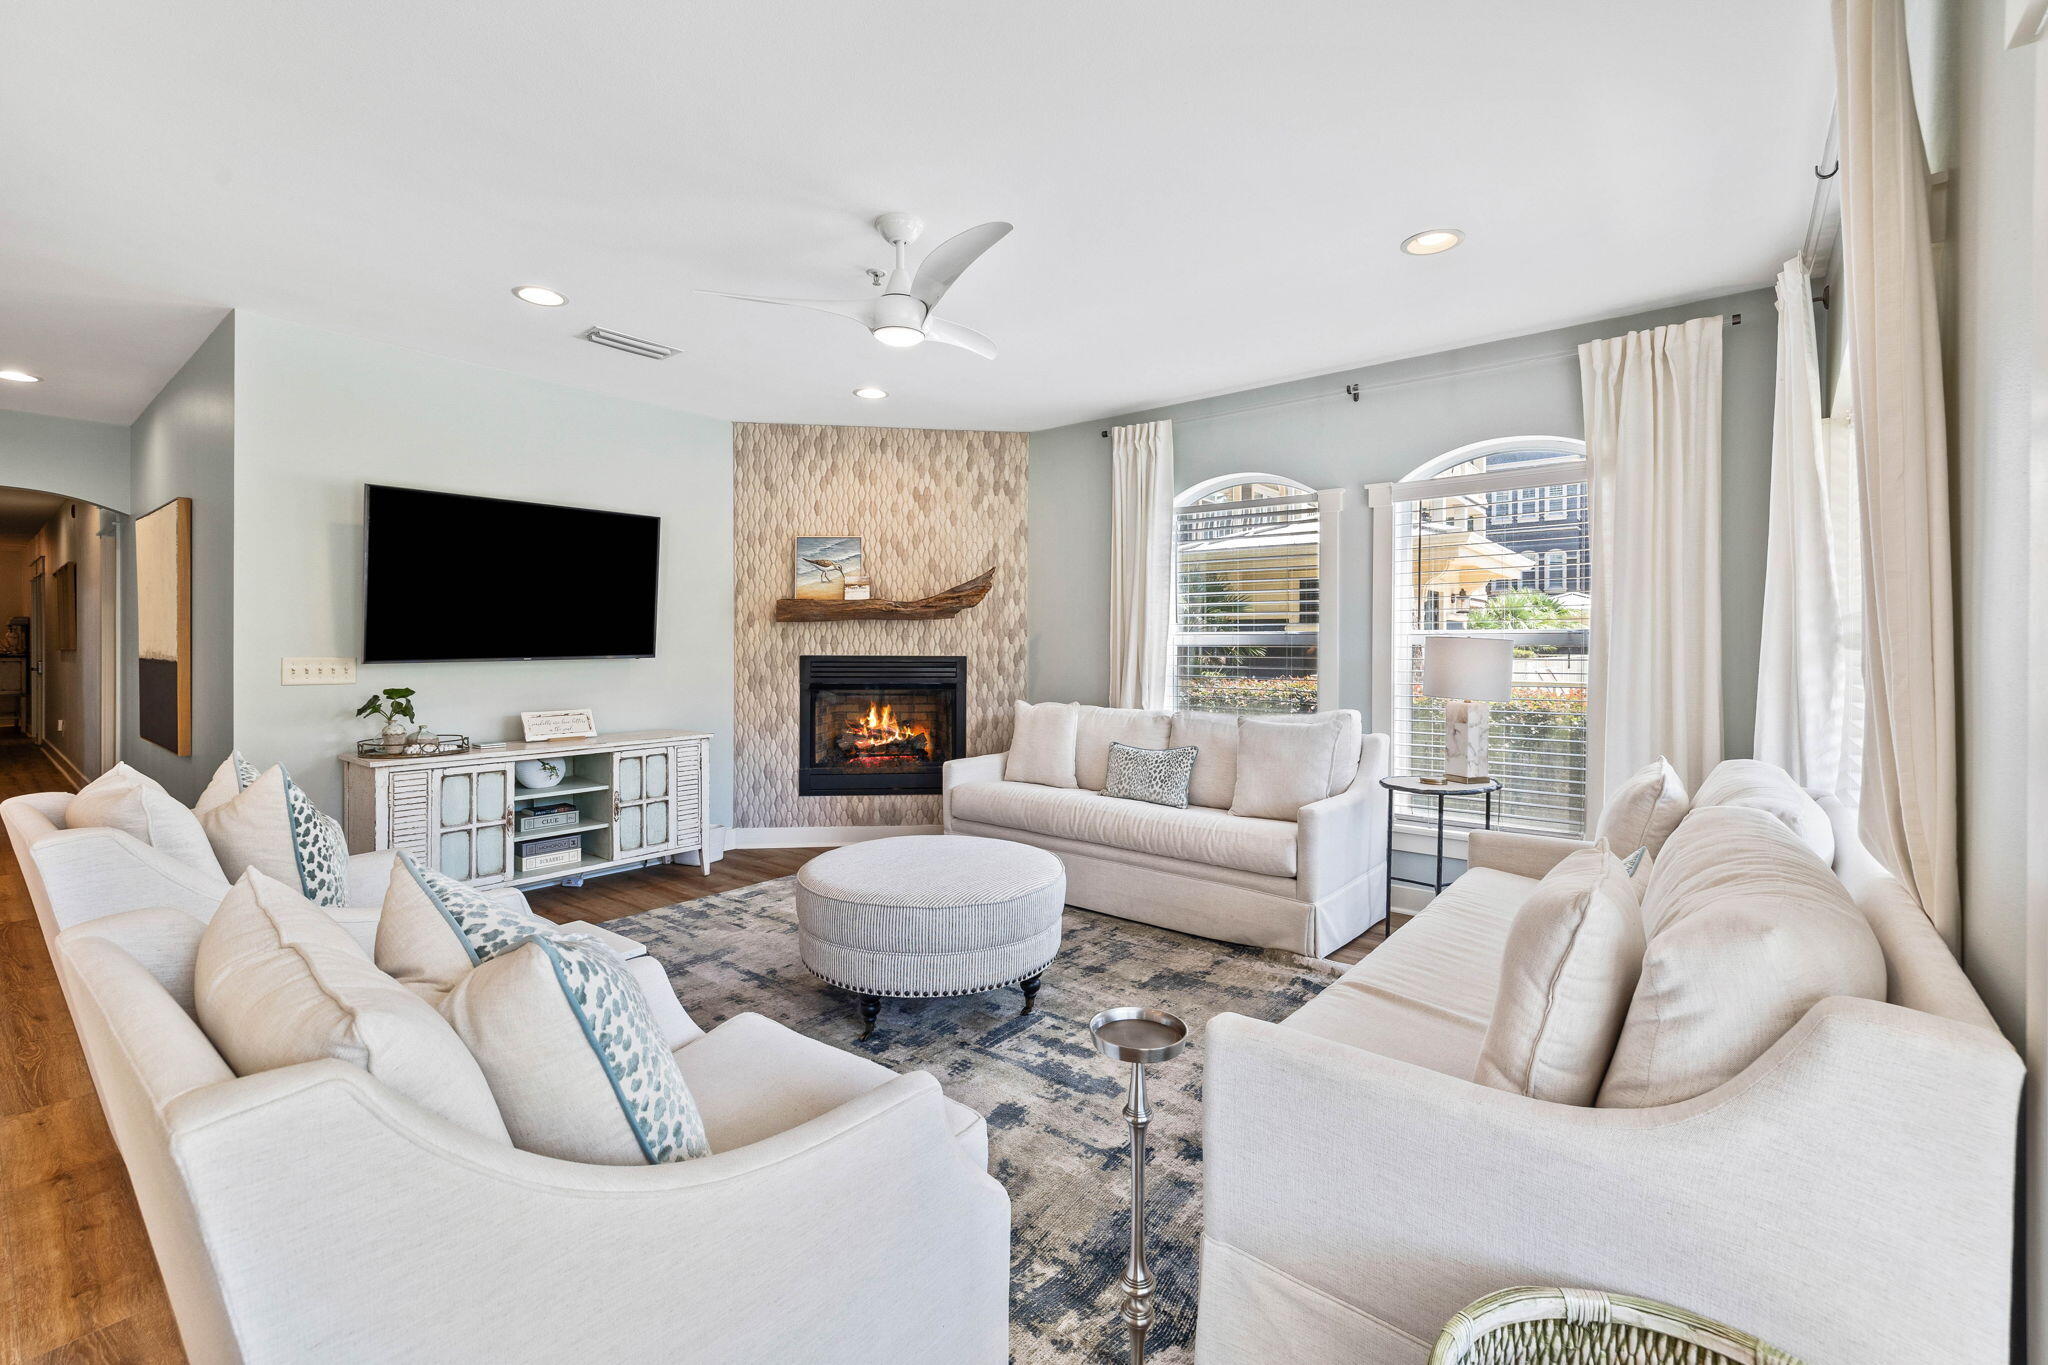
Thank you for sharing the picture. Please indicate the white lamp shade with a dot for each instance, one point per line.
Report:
(1468, 667)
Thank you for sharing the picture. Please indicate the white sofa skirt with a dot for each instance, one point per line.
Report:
(1212, 902)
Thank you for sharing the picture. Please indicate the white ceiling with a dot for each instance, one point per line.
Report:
(1208, 193)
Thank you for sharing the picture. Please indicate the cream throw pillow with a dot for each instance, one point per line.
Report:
(137, 805)
(1645, 809)
(1042, 746)
(1284, 764)
(574, 1058)
(1746, 933)
(1213, 737)
(1573, 955)
(233, 774)
(1766, 787)
(277, 982)
(1097, 727)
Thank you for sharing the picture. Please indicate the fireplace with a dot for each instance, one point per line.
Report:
(879, 724)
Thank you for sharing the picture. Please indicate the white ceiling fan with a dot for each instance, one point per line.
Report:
(901, 315)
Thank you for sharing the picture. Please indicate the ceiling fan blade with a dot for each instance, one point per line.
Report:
(953, 334)
(860, 310)
(946, 261)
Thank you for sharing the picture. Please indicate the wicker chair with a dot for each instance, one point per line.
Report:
(1585, 1327)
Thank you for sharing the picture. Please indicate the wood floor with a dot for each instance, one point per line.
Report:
(75, 1265)
(80, 1282)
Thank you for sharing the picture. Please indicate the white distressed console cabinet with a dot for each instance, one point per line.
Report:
(640, 799)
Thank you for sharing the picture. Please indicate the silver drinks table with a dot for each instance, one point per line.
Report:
(1140, 1037)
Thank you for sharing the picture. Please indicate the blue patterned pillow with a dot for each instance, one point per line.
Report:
(575, 1061)
(434, 929)
(1160, 776)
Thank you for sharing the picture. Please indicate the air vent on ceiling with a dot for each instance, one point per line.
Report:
(619, 341)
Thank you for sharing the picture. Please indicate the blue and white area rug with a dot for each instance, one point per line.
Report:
(1057, 1137)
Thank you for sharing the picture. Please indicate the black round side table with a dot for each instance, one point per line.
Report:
(1420, 786)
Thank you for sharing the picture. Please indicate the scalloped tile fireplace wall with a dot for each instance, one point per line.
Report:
(932, 508)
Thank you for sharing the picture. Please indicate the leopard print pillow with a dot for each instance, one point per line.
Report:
(1160, 776)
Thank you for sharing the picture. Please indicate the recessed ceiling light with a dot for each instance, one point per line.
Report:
(1432, 240)
(540, 294)
(870, 391)
(20, 377)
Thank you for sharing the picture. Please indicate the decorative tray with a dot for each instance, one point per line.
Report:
(416, 745)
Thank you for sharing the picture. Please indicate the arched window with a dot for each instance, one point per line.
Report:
(1248, 595)
(1493, 537)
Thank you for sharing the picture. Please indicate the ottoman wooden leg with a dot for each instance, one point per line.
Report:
(1029, 985)
(870, 1006)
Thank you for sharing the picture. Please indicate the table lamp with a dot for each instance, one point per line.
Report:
(1467, 671)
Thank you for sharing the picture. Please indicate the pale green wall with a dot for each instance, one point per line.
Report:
(1408, 412)
(183, 446)
(1995, 307)
(319, 414)
(1989, 261)
(85, 460)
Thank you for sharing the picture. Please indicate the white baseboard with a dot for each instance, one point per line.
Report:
(64, 765)
(1409, 899)
(820, 836)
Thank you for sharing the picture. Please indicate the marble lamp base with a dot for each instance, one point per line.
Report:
(1465, 727)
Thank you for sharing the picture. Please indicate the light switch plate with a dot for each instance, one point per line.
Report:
(316, 672)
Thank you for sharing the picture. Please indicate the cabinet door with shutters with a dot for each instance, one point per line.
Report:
(687, 812)
(643, 802)
(472, 812)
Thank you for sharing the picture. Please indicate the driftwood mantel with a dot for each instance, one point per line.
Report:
(937, 607)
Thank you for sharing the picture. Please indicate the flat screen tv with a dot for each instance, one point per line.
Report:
(447, 576)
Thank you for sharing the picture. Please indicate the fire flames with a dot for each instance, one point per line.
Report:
(881, 730)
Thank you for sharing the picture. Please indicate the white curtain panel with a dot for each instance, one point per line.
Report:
(1141, 566)
(1809, 673)
(1908, 806)
(1653, 451)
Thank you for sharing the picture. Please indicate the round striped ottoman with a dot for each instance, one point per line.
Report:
(929, 914)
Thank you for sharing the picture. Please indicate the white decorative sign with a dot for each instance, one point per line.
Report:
(558, 725)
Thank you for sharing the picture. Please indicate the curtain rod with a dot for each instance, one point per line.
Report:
(1823, 221)
(1353, 391)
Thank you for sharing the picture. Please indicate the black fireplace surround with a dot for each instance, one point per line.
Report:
(879, 724)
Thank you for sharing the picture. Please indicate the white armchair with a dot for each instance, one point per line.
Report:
(309, 1213)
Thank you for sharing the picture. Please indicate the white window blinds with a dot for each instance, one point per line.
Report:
(1247, 591)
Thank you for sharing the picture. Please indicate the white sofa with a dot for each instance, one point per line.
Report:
(1308, 885)
(311, 1214)
(76, 875)
(1848, 1196)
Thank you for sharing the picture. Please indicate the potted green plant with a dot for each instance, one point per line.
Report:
(394, 706)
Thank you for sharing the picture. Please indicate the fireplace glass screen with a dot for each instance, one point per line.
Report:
(882, 724)
(880, 729)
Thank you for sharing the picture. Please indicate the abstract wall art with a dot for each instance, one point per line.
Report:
(163, 624)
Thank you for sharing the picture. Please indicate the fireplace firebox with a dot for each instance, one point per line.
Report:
(879, 724)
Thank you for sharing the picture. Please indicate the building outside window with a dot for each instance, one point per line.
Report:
(1248, 585)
